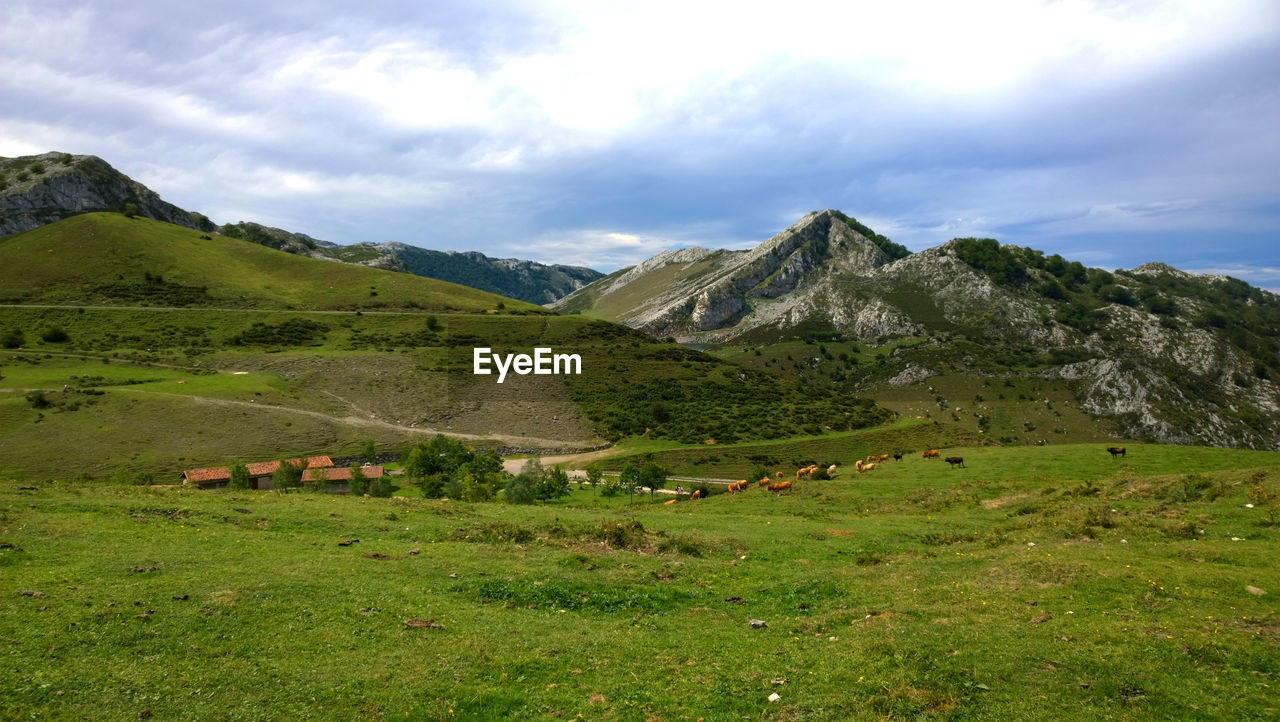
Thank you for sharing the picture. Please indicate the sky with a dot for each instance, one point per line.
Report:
(598, 134)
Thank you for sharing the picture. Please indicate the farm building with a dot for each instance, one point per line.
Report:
(260, 472)
(338, 478)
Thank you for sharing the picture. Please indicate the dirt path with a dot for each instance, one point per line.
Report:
(360, 421)
(572, 463)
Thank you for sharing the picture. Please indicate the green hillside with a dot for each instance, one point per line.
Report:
(127, 342)
(109, 259)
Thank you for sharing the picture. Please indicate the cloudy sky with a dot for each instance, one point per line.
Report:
(601, 133)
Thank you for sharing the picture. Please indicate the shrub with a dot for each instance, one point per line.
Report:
(13, 339)
(239, 477)
(55, 334)
(288, 475)
(381, 487)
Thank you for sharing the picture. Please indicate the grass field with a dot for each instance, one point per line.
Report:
(1037, 582)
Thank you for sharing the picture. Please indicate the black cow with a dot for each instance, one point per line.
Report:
(955, 461)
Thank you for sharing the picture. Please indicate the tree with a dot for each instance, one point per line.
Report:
(553, 484)
(440, 455)
(319, 480)
(630, 478)
(381, 487)
(653, 476)
(523, 489)
(130, 210)
(370, 452)
(359, 485)
(288, 475)
(594, 474)
(240, 477)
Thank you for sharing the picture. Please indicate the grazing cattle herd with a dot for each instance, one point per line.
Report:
(774, 483)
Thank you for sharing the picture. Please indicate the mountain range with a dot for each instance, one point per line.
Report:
(41, 189)
(1002, 340)
(1155, 352)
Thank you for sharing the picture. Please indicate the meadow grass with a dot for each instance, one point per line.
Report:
(1036, 583)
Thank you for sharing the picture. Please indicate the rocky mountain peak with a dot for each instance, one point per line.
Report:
(40, 189)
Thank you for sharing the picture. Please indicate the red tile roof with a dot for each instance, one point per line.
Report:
(263, 468)
(216, 473)
(343, 473)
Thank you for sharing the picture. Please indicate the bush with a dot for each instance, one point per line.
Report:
(381, 487)
(523, 489)
(288, 475)
(38, 400)
(359, 485)
(240, 477)
(55, 334)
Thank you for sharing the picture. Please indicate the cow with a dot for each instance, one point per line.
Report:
(696, 495)
(780, 486)
(930, 454)
(897, 456)
(955, 461)
(1115, 451)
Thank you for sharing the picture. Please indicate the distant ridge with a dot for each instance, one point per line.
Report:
(40, 189)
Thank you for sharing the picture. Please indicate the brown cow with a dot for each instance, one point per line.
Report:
(780, 486)
(930, 454)
(763, 482)
(696, 495)
(884, 457)
(1115, 451)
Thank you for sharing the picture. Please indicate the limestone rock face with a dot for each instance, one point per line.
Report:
(45, 188)
(1160, 377)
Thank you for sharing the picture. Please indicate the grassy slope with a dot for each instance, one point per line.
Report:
(1036, 581)
(377, 367)
(1012, 399)
(69, 261)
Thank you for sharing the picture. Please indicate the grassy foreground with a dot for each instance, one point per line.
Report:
(1037, 580)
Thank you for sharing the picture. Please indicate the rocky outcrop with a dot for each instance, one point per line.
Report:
(1160, 372)
(694, 292)
(40, 189)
